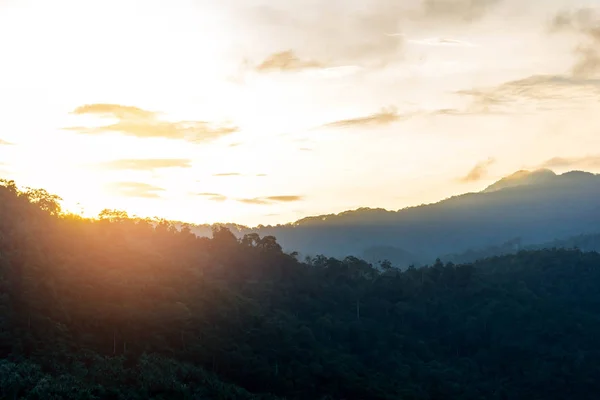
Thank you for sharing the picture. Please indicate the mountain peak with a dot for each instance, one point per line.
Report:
(522, 178)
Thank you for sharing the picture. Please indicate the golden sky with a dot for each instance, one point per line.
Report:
(266, 111)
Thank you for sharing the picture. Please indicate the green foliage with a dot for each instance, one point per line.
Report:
(124, 308)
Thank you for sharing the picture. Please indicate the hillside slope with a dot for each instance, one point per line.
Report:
(537, 207)
(123, 309)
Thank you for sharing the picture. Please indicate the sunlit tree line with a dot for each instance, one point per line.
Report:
(118, 307)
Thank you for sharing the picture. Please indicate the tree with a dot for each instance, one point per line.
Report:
(113, 215)
(47, 202)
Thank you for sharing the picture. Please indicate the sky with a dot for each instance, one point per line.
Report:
(265, 111)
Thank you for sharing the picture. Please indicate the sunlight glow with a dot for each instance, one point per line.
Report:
(304, 130)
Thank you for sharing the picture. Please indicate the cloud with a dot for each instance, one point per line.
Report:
(442, 42)
(284, 199)
(135, 189)
(332, 35)
(335, 72)
(147, 164)
(286, 61)
(457, 10)
(587, 162)
(345, 33)
(256, 201)
(133, 121)
(5, 143)
(585, 23)
(384, 117)
(537, 92)
(271, 200)
(212, 196)
(114, 110)
(223, 174)
(479, 171)
(451, 112)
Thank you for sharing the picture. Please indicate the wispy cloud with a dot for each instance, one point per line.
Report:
(318, 37)
(442, 42)
(115, 110)
(147, 164)
(536, 92)
(586, 23)
(271, 200)
(452, 112)
(587, 162)
(224, 174)
(5, 143)
(457, 10)
(357, 34)
(212, 196)
(133, 121)
(286, 61)
(479, 171)
(135, 189)
(284, 199)
(255, 201)
(335, 72)
(384, 117)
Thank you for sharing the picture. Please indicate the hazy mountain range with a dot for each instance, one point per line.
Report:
(523, 209)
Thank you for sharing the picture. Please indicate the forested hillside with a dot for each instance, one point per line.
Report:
(589, 242)
(537, 207)
(125, 308)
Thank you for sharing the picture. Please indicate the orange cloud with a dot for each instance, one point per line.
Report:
(212, 196)
(115, 110)
(135, 189)
(479, 171)
(286, 61)
(147, 164)
(133, 121)
(271, 199)
(384, 117)
(256, 201)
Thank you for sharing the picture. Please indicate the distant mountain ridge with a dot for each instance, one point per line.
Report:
(586, 243)
(537, 206)
(537, 177)
(521, 178)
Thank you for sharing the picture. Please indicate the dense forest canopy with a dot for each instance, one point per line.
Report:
(127, 308)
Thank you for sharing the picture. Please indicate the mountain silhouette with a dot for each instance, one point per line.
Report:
(522, 178)
(534, 206)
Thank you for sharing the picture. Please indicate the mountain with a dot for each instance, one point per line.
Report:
(536, 206)
(522, 178)
(587, 243)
